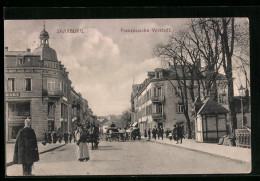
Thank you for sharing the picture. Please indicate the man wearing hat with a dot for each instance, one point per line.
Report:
(26, 148)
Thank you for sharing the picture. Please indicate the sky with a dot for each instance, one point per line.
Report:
(104, 61)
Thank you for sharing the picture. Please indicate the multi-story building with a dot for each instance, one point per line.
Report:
(37, 86)
(155, 101)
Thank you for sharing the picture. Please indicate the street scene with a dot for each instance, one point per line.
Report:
(127, 97)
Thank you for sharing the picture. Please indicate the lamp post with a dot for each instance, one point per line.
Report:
(241, 94)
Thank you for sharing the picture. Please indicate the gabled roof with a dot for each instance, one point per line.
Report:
(212, 107)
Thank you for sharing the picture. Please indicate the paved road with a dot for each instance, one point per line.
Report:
(131, 158)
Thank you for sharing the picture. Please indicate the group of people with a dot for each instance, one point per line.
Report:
(177, 133)
(26, 147)
(156, 132)
(54, 136)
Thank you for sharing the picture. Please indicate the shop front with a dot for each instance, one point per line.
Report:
(16, 113)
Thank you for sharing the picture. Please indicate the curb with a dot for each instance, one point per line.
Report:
(212, 154)
(11, 163)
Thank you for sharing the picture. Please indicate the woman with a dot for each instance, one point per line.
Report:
(83, 153)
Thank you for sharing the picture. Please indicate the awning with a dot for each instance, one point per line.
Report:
(179, 122)
(135, 124)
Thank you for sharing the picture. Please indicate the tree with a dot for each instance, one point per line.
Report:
(126, 117)
(173, 54)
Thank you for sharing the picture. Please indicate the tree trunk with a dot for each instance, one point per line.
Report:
(188, 121)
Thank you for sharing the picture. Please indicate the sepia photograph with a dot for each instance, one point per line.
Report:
(152, 96)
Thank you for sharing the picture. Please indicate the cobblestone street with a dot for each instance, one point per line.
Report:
(131, 158)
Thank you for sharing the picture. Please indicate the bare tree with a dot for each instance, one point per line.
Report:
(126, 117)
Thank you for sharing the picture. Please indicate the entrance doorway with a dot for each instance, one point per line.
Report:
(160, 125)
(51, 125)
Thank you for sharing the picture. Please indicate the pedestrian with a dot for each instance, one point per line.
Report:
(145, 133)
(179, 134)
(45, 137)
(167, 133)
(60, 136)
(161, 132)
(154, 132)
(149, 133)
(49, 137)
(26, 148)
(81, 137)
(74, 135)
(134, 134)
(70, 136)
(54, 136)
(174, 132)
(66, 135)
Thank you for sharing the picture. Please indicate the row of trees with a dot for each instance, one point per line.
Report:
(214, 43)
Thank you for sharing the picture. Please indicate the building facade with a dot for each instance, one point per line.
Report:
(155, 102)
(37, 86)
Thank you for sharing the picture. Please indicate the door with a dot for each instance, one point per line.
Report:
(50, 125)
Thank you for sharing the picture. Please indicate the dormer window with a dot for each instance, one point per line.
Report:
(20, 61)
(157, 74)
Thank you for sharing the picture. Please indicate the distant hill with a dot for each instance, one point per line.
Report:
(116, 119)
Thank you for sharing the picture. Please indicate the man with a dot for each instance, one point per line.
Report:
(26, 148)
(70, 136)
(149, 133)
(161, 132)
(179, 134)
(154, 132)
(54, 136)
(66, 137)
(49, 137)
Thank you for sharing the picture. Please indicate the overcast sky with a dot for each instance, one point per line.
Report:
(103, 60)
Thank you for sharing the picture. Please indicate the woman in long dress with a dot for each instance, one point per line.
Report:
(83, 153)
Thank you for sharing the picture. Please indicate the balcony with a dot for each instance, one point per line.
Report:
(157, 99)
(55, 93)
(75, 105)
(158, 116)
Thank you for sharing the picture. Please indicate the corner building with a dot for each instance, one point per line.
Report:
(155, 102)
(37, 86)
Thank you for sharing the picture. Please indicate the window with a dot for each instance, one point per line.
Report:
(61, 83)
(159, 109)
(28, 84)
(20, 61)
(157, 74)
(51, 109)
(179, 108)
(155, 92)
(51, 84)
(159, 91)
(10, 84)
(222, 98)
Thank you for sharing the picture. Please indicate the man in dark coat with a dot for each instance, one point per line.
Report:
(66, 137)
(54, 136)
(179, 134)
(149, 133)
(45, 136)
(161, 132)
(49, 137)
(26, 148)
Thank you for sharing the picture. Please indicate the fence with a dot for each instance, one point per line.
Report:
(243, 138)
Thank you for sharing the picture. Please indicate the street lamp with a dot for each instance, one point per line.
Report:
(241, 94)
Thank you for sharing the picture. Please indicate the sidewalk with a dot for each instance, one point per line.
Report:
(234, 153)
(42, 149)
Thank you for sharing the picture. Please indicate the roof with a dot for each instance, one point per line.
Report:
(46, 53)
(212, 107)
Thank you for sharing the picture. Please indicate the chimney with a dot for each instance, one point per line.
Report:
(28, 50)
(6, 48)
